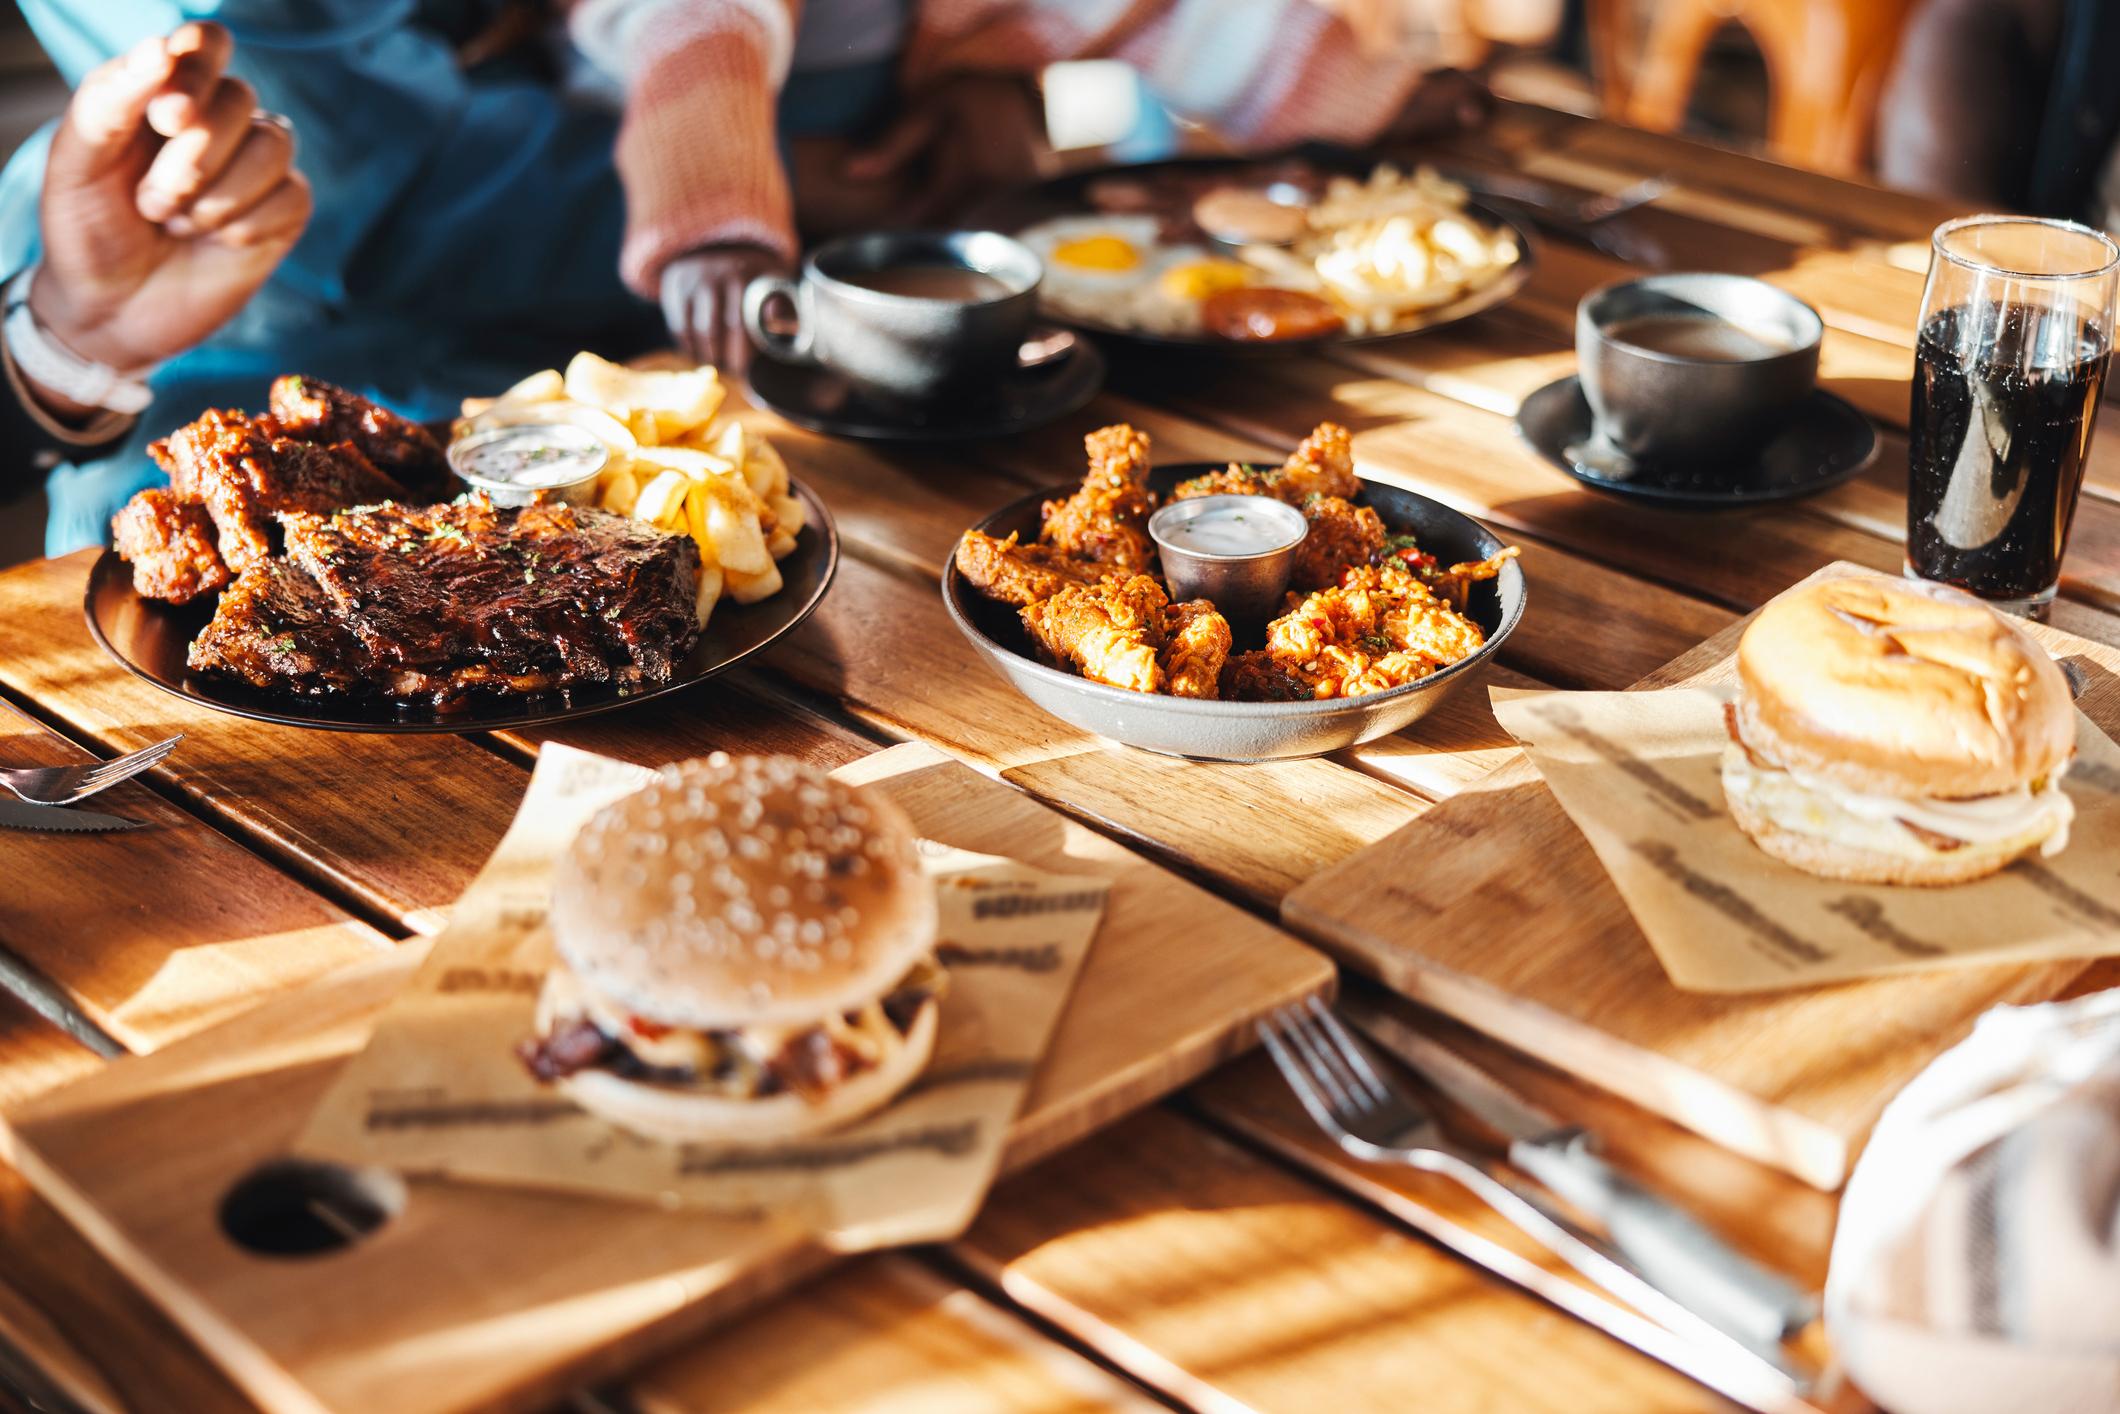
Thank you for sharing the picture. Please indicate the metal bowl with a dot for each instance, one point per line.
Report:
(1240, 731)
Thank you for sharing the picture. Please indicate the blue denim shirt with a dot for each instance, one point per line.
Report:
(466, 232)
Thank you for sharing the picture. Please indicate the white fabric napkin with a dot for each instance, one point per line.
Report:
(1977, 1262)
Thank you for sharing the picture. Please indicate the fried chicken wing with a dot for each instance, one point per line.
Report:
(170, 545)
(1107, 519)
(1342, 536)
(1379, 628)
(1322, 466)
(1108, 632)
(1195, 646)
(1020, 574)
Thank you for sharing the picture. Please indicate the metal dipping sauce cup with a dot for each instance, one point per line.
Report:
(512, 464)
(1245, 587)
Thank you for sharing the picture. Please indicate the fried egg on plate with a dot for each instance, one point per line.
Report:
(1185, 276)
(1093, 264)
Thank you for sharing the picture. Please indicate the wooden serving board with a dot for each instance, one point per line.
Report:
(471, 1296)
(1493, 909)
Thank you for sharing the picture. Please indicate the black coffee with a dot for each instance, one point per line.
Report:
(1695, 336)
(950, 282)
(2002, 419)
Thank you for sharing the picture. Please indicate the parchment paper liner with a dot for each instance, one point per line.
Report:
(438, 1090)
(1638, 773)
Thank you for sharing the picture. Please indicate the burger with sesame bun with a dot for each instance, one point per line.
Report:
(746, 952)
(1894, 732)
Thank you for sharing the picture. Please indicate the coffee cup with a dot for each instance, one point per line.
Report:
(1694, 367)
(913, 315)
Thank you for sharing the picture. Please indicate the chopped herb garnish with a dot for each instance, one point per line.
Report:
(1376, 643)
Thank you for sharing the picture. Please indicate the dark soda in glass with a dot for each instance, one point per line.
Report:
(2005, 397)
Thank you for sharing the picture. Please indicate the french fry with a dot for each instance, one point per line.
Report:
(663, 498)
(694, 463)
(710, 582)
(764, 470)
(719, 517)
(663, 403)
(619, 491)
(780, 544)
(544, 386)
(750, 588)
(787, 514)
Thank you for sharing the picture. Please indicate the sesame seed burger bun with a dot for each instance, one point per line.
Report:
(681, 1115)
(1892, 687)
(744, 891)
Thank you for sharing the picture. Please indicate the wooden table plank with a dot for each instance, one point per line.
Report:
(1235, 1286)
(884, 1335)
(97, 916)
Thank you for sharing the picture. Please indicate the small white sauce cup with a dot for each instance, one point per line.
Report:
(466, 452)
(1246, 587)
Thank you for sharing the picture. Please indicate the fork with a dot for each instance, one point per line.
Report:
(63, 785)
(1373, 1119)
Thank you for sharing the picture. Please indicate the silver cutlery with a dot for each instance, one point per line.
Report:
(1374, 1120)
(1675, 1252)
(63, 785)
(14, 815)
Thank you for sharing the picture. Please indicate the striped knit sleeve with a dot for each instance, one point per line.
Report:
(696, 151)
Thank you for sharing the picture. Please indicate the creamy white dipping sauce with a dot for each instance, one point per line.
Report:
(532, 456)
(1232, 530)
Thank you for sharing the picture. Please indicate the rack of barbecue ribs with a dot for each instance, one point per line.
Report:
(231, 475)
(439, 603)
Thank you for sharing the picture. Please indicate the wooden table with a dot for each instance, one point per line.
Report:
(1209, 1252)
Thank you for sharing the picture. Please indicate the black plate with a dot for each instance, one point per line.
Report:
(1240, 731)
(1824, 443)
(151, 639)
(1065, 196)
(824, 402)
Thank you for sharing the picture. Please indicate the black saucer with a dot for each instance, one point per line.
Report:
(1824, 443)
(1022, 399)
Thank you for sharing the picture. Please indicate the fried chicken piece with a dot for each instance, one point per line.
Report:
(1342, 536)
(1195, 646)
(245, 473)
(1020, 574)
(1322, 466)
(1380, 627)
(1455, 584)
(1107, 520)
(1108, 632)
(170, 545)
(311, 410)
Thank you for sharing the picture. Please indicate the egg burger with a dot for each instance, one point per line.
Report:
(746, 952)
(1886, 731)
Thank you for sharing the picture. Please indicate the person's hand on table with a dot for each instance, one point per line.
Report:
(702, 302)
(169, 198)
(967, 136)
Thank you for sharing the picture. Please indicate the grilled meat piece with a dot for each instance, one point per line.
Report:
(451, 599)
(310, 410)
(244, 471)
(170, 545)
(275, 629)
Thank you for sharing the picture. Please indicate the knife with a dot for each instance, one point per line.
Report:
(1668, 1246)
(16, 815)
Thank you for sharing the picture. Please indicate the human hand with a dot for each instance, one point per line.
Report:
(702, 302)
(968, 135)
(168, 200)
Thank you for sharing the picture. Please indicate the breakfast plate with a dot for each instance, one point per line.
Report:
(1124, 254)
(152, 640)
(1211, 730)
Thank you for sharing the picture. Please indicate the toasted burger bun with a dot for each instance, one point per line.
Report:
(682, 1115)
(1833, 859)
(744, 891)
(1891, 687)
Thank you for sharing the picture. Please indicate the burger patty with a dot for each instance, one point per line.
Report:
(809, 1063)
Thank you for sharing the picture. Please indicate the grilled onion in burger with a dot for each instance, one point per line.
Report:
(1892, 732)
(746, 951)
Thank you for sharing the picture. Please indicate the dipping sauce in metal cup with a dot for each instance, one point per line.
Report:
(1235, 550)
(513, 464)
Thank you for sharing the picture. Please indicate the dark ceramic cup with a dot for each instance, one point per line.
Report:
(910, 346)
(1692, 367)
